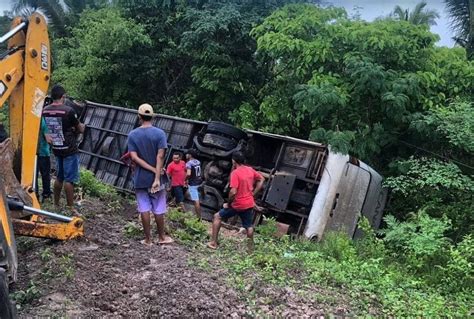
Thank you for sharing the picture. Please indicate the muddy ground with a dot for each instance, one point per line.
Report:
(106, 274)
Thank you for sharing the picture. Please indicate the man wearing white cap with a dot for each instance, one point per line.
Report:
(147, 145)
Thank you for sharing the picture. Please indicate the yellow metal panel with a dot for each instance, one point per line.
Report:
(60, 231)
(16, 97)
(36, 82)
(11, 73)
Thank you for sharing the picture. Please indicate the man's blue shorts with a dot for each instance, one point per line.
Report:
(178, 193)
(194, 192)
(246, 216)
(68, 168)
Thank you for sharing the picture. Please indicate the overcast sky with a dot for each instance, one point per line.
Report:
(371, 9)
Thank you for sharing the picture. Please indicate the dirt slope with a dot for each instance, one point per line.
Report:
(107, 275)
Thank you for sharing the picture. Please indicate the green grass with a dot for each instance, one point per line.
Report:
(26, 296)
(369, 271)
(133, 230)
(91, 186)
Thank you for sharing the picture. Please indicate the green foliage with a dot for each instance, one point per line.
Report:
(268, 228)
(133, 230)
(97, 62)
(461, 15)
(353, 83)
(23, 297)
(66, 266)
(441, 189)
(4, 117)
(187, 228)
(419, 15)
(459, 270)
(379, 90)
(421, 238)
(429, 175)
(371, 270)
(93, 187)
(455, 123)
(46, 254)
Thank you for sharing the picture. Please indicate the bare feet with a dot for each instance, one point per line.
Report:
(146, 242)
(212, 245)
(166, 240)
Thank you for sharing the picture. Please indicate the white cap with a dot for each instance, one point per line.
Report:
(145, 109)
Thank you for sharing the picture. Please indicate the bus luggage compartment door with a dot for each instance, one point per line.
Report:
(350, 197)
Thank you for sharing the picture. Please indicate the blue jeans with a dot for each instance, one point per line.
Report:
(68, 168)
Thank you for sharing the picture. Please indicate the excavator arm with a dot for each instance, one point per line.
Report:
(25, 70)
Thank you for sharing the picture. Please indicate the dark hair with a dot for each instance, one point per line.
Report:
(146, 118)
(192, 152)
(57, 92)
(238, 157)
(177, 153)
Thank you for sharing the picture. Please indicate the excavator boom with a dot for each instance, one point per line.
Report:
(25, 70)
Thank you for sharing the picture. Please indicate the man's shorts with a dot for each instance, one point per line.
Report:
(178, 193)
(68, 168)
(246, 216)
(147, 202)
(194, 192)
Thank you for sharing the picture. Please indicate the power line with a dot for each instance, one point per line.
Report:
(438, 155)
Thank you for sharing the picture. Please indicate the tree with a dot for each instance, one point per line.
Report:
(52, 9)
(99, 60)
(462, 22)
(381, 91)
(419, 15)
(61, 14)
(5, 24)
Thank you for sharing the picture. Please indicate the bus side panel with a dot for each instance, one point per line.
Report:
(350, 197)
(325, 196)
(375, 200)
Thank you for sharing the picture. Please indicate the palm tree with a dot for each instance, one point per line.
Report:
(59, 13)
(419, 15)
(462, 22)
(52, 9)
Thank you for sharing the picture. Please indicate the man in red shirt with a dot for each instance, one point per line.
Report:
(245, 183)
(176, 170)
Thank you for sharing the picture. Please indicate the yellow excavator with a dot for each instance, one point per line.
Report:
(25, 69)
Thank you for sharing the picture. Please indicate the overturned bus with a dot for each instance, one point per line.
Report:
(308, 188)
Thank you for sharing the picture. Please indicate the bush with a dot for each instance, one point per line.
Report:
(413, 270)
(458, 274)
(132, 230)
(186, 227)
(93, 187)
(421, 239)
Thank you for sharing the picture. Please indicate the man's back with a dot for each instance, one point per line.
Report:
(243, 179)
(195, 166)
(61, 121)
(146, 141)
